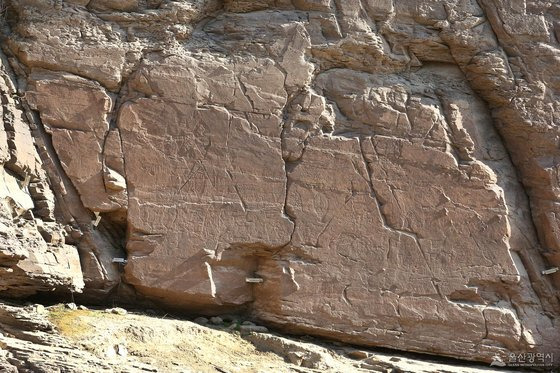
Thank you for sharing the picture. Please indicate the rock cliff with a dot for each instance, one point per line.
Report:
(387, 170)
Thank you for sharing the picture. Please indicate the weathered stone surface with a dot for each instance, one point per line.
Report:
(381, 172)
(414, 222)
(76, 113)
(123, 5)
(30, 343)
(33, 254)
(73, 45)
(226, 184)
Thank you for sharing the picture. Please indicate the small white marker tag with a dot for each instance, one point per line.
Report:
(550, 271)
(254, 280)
(97, 219)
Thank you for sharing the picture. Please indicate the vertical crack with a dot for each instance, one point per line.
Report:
(345, 296)
(285, 209)
(382, 217)
(374, 197)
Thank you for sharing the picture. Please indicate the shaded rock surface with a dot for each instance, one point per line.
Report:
(380, 172)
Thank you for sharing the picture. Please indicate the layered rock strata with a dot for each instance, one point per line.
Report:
(34, 255)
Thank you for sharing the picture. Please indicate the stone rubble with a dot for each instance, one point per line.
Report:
(132, 343)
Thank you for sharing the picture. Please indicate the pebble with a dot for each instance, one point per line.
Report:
(117, 311)
(246, 329)
(121, 350)
(201, 320)
(216, 320)
(357, 354)
(71, 306)
(110, 352)
(248, 323)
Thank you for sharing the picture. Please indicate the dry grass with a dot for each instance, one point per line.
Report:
(75, 323)
(164, 343)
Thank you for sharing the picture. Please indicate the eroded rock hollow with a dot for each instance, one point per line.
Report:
(388, 168)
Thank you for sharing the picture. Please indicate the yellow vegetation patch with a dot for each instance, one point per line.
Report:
(74, 323)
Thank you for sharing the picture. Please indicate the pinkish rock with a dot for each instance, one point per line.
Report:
(383, 173)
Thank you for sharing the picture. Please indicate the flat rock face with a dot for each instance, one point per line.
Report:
(383, 172)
